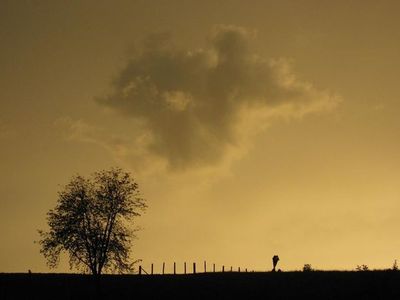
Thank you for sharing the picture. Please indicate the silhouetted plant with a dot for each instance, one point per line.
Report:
(395, 267)
(362, 268)
(90, 222)
(307, 268)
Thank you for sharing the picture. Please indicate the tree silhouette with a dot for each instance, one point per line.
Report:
(91, 222)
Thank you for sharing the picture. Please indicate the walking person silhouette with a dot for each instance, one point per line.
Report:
(275, 260)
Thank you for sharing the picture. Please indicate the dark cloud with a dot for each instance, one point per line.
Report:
(191, 102)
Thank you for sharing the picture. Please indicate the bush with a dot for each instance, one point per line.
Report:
(307, 268)
(362, 268)
(395, 267)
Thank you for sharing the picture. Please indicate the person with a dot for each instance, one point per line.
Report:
(275, 260)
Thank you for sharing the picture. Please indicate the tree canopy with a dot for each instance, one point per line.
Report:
(92, 222)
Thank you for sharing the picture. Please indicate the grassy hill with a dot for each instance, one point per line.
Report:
(284, 285)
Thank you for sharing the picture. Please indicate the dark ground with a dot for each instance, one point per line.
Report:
(284, 285)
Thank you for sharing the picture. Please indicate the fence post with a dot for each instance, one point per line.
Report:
(174, 268)
(223, 269)
(214, 268)
(239, 269)
(140, 270)
(194, 268)
(246, 270)
(205, 267)
(163, 267)
(184, 267)
(231, 269)
(151, 269)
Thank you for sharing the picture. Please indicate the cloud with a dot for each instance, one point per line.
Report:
(197, 105)
(123, 149)
(81, 131)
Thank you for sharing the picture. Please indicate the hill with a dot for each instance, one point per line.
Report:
(284, 285)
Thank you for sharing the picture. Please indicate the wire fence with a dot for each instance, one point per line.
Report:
(191, 268)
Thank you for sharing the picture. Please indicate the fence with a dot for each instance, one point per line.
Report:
(193, 269)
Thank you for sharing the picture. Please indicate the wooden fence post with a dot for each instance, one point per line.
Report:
(231, 269)
(223, 269)
(140, 270)
(194, 268)
(184, 267)
(205, 267)
(163, 267)
(239, 269)
(214, 268)
(174, 268)
(151, 269)
(246, 270)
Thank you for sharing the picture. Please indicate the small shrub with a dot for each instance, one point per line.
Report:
(307, 268)
(395, 267)
(362, 268)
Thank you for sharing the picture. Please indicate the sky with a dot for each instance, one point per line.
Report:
(253, 128)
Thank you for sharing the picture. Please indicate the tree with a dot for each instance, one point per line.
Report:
(91, 222)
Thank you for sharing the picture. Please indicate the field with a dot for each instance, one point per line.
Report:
(284, 285)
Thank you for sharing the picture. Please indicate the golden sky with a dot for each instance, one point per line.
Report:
(254, 128)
